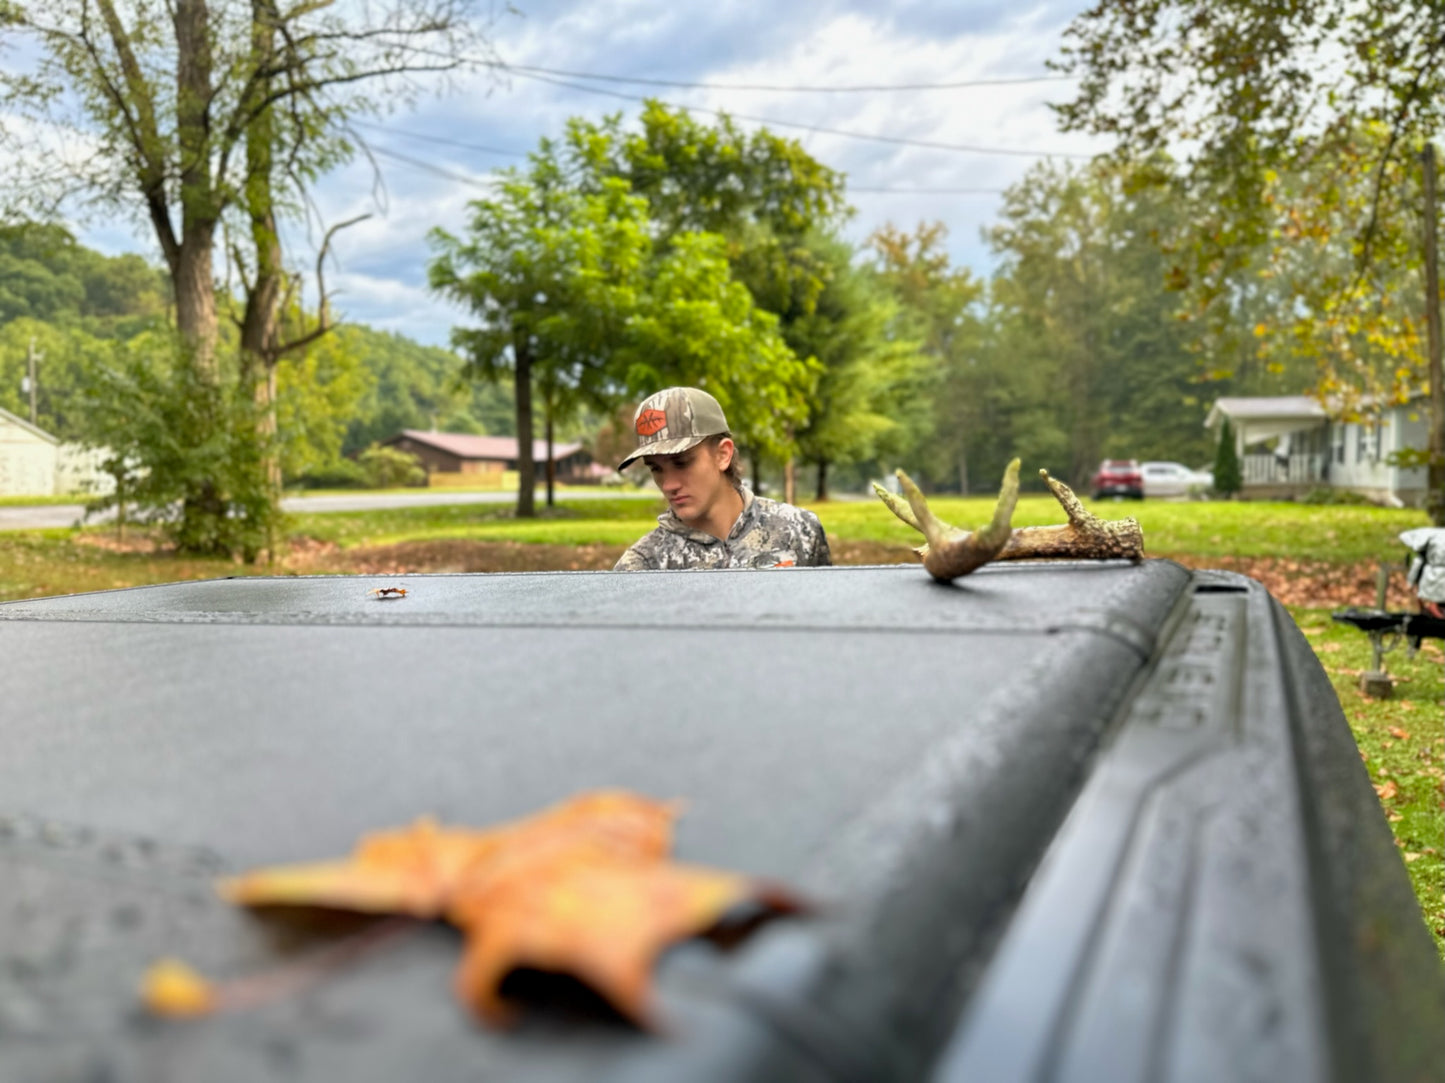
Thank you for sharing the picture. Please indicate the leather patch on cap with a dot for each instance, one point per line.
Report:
(650, 421)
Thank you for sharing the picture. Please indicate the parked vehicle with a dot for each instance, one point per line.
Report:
(1104, 821)
(1175, 479)
(1119, 477)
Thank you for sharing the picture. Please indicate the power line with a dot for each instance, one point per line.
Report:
(928, 191)
(963, 148)
(428, 167)
(443, 141)
(839, 88)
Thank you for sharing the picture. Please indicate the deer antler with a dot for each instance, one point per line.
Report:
(951, 552)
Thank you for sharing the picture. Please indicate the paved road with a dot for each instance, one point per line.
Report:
(60, 515)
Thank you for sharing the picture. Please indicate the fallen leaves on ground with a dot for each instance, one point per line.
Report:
(1387, 789)
(583, 888)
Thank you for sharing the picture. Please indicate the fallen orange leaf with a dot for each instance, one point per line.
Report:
(1399, 734)
(603, 922)
(582, 889)
(172, 988)
(418, 870)
(1387, 789)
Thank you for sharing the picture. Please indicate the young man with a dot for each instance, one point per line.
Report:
(711, 521)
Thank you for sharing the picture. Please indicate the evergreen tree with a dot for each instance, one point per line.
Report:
(1227, 476)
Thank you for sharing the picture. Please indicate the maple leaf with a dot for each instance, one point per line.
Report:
(603, 922)
(418, 870)
(582, 889)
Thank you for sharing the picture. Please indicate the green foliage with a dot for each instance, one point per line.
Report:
(184, 451)
(1328, 494)
(1228, 479)
(342, 474)
(696, 325)
(1085, 347)
(574, 291)
(871, 400)
(1300, 194)
(956, 416)
(46, 275)
(390, 468)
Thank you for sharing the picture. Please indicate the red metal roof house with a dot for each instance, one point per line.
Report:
(487, 457)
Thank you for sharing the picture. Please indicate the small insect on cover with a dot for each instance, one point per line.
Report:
(384, 594)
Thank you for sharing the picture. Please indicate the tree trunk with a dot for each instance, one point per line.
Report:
(195, 291)
(821, 492)
(790, 481)
(193, 273)
(526, 467)
(963, 473)
(1435, 470)
(757, 460)
(551, 458)
(261, 324)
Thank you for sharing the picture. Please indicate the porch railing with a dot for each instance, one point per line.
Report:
(1278, 470)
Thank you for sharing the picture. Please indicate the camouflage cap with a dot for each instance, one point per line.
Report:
(674, 420)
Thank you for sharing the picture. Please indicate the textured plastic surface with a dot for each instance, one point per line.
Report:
(904, 752)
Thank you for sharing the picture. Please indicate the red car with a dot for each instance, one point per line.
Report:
(1119, 477)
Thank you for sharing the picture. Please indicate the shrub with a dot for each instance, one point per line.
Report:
(342, 474)
(1324, 494)
(390, 468)
(185, 452)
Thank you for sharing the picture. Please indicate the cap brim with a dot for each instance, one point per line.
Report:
(661, 447)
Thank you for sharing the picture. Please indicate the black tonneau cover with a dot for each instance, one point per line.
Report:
(1067, 822)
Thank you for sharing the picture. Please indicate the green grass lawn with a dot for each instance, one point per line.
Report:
(1332, 534)
(1337, 533)
(39, 501)
(577, 522)
(1402, 742)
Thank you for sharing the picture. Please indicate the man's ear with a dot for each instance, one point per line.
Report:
(726, 449)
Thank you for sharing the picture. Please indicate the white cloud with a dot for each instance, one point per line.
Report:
(381, 263)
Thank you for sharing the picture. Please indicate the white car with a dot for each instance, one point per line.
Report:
(1175, 480)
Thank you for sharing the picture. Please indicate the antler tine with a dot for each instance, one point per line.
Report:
(959, 552)
(897, 506)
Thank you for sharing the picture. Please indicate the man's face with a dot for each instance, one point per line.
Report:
(693, 480)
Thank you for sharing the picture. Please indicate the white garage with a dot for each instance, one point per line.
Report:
(27, 458)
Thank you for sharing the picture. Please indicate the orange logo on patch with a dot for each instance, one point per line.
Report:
(650, 421)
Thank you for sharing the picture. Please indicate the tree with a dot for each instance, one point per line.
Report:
(197, 110)
(1322, 101)
(939, 308)
(552, 276)
(574, 296)
(170, 430)
(1086, 333)
(1227, 478)
(765, 194)
(873, 377)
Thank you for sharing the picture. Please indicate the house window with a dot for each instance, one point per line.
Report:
(1337, 438)
(1362, 442)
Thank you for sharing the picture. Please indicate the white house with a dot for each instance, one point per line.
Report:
(28, 456)
(1289, 445)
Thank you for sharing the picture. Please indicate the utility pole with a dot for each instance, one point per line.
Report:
(1435, 471)
(31, 358)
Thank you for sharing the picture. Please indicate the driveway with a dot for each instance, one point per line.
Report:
(40, 517)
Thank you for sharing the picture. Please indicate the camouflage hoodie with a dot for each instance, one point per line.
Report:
(768, 534)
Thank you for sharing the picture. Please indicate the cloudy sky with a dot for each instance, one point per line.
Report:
(379, 274)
